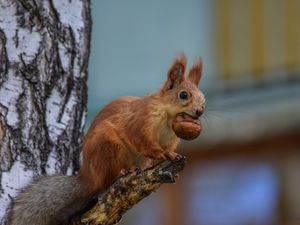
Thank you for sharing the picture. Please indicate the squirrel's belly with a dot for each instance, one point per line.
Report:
(165, 136)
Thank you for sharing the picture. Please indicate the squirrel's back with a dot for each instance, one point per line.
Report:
(49, 200)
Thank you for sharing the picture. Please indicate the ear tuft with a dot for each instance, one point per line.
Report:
(176, 71)
(195, 72)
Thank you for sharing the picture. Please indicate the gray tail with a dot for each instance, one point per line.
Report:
(49, 200)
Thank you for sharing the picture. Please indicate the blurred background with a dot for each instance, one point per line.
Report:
(244, 169)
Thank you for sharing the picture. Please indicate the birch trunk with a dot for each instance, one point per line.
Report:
(44, 50)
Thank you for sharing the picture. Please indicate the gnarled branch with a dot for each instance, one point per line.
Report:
(127, 191)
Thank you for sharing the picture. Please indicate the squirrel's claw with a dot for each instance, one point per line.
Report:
(174, 156)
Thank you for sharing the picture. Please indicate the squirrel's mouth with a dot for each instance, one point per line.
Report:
(187, 115)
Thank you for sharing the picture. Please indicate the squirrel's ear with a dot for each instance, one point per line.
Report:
(196, 72)
(176, 71)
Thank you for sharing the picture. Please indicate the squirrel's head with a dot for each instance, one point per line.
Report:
(180, 92)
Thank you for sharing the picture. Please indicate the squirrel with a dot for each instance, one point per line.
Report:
(128, 132)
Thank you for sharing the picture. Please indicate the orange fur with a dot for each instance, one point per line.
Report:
(131, 130)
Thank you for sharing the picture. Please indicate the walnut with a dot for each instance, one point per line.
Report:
(186, 127)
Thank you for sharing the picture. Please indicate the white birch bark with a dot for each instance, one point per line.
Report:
(44, 49)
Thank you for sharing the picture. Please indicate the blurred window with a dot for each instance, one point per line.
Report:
(258, 36)
(232, 192)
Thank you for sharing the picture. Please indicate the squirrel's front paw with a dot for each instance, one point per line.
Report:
(156, 155)
(173, 156)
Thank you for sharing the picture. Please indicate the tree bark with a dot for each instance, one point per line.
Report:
(44, 51)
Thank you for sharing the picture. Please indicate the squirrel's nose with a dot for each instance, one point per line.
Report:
(200, 111)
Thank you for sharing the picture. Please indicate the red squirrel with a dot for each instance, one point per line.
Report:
(126, 133)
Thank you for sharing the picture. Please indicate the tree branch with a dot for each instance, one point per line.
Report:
(127, 191)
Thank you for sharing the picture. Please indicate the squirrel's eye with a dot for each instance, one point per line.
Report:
(183, 95)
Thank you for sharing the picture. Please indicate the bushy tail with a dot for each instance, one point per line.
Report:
(49, 200)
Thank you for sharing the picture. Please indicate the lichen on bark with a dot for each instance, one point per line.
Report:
(127, 191)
